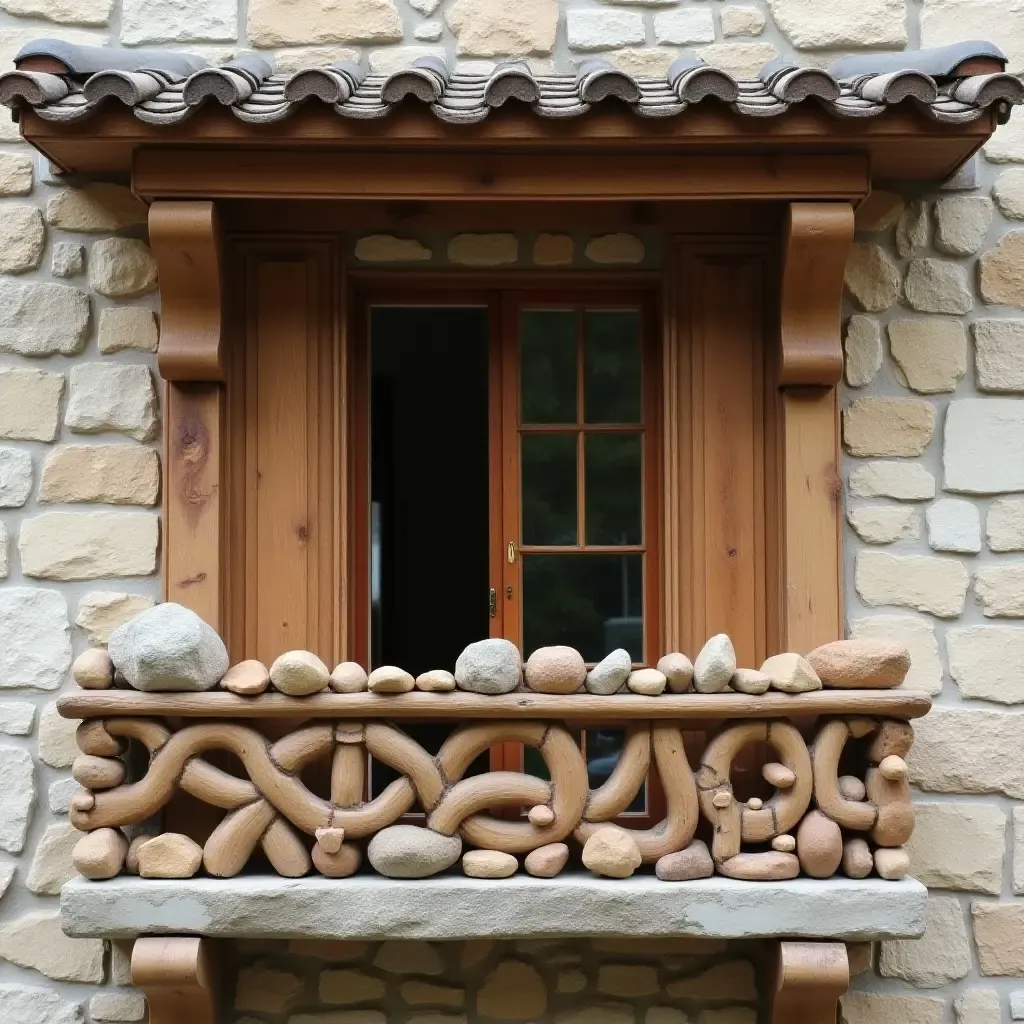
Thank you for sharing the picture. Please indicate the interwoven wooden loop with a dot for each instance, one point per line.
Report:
(825, 754)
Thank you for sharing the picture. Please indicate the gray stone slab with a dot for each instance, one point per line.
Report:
(455, 907)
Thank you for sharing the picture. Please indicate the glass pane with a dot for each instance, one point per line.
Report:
(603, 749)
(549, 488)
(547, 365)
(614, 481)
(591, 602)
(612, 366)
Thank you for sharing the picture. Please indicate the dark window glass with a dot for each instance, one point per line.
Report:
(547, 358)
(549, 489)
(614, 488)
(612, 366)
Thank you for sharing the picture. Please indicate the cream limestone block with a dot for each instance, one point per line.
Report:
(349, 986)
(999, 933)
(16, 719)
(89, 545)
(912, 228)
(888, 427)
(100, 854)
(741, 60)
(934, 585)
(983, 446)
(491, 28)
(876, 1008)
(917, 635)
(42, 319)
(942, 955)
(489, 864)
(22, 238)
(35, 941)
(930, 354)
(615, 248)
(157, 21)
(872, 279)
(742, 21)
(734, 980)
(287, 62)
(16, 169)
(1008, 193)
(67, 259)
(170, 855)
(999, 354)
(1002, 271)
(551, 250)
(57, 744)
(978, 1006)
(266, 989)
(1001, 22)
(1000, 589)
(488, 250)
(811, 25)
(958, 845)
(649, 62)
(863, 345)
(628, 981)
(684, 26)
(391, 249)
(100, 612)
(879, 212)
(408, 957)
(93, 669)
(122, 268)
(396, 58)
(597, 29)
(904, 481)
(514, 990)
(17, 796)
(963, 750)
(883, 524)
(35, 642)
(300, 22)
(1018, 851)
(119, 474)
(127, 327)
(961, 223)
(938, 286)
(985, 662)
(117, 1006)
(112, 397)
(1005, 525)
(15, 477)
(99, 208)
(954, 525)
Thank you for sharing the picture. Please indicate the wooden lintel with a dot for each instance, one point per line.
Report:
(179, 978)
(186, 241)
(810, 979)
(816, 243)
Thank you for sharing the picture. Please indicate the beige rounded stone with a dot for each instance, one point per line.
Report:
(93, 669)
(100, 854)
(299, 673)
(784, 843)
(857, 860)
(437, 680)
(489, 864)
(892, 864)
(1008, 193)
(341, 863)
(791, 674)
(170, 855)
(819, 845)
(555, 670)
(872, 278)
(693, 862)
(611, 852)
(541, 815)
(348, 677)
(860, 664)
(408, 851)
(749, 680)
(486, 250)
(678, 672)
(755, 803)
(22, 238)
(778, 775)
(98, 772)
(893, 768)
(961, 223)
(715, 665)
(547, 861)
(722, 800)
(647, 681)
(390, 679)
(247, 678)
(131, 862)
(851, 788)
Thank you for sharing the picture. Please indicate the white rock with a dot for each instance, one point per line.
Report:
(389, 679)
(883, 524)
(67, 260)
(51, 865)
(917, 635)
(905, 481)
(122, 268)
(958, 845)
(29, 403)
(17, 796)
(863, 345)
(42, 319)
(685, 25)
(954, 525)
(595, 29)
(647, 681)
(437, 680)
(935, 585)
(1005, 525)
(33, 1004)
(299, 22)
(938, 286)
(60, 794)
(89, 545)
(888, 426)
(117, 397)
(169, 648)
(489, 666)
(15, 477)
(811, 25)
(100, 612)
(37, 942)
(742, 21)
(999, 354)
(35, 643)
(951, 21)
(1001, 271)
(871, 277)
(962, 222)
(1008, 193)
(117, 1006)
(390, 249)
(610, 674)
(98, 208)
(22, 238)
(1000, 589)
(348, 677)
(931, 355)
(16, 719)
(983, 446)
(57, 744)
(429, 31)
(408, 851)
(16, 168)
(978, 1006)
(715, 665)
(184, 21)
(127, 327)
(940, 956)
(748, 680)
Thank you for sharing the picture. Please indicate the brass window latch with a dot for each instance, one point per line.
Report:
(492, 602)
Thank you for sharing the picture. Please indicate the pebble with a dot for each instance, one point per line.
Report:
(131, 862)
(784, 843)
(489, 864)
(715, 665)
(609, 675)
(98, 772)
(647, 681)
(722, 800)
(893, 768)
(437, 680)
(778, 775)
(340, 864)
(761, 867)
(755, 803)
(678, 670)
(819, 845)
(749, 680)
(851, 788)
(299, 673)
(857, 859)
(611, 852)
(93, 669)
(892, 864)
(861, 664)
(791, 674)
(348, 677)
(489, 666)
(409, 851)
(693, 862)
(330, 839)
(247, 678)
(390, 679)
(100, 854)
(541, 815)
(555, 670)
(170, 855)
(547, 861)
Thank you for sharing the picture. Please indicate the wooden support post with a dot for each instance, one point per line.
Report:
(810, 978)
(179, 978)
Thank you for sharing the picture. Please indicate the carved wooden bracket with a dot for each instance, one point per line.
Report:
(816, 245)
(179, 977)
(186, 241)
(810, 979)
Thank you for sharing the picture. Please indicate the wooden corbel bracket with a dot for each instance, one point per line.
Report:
(816, 246)
(186, 241)
(810, 979)
(179, 978)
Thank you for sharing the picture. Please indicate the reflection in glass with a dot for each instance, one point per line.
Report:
(614, 484)
(612, 366)
(591, 602)
(549, 488)
(603, 750)
(547, 360)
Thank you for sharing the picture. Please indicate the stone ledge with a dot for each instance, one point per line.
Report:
(454, 907)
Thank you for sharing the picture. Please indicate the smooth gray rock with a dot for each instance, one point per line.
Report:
(610, 675)
(408, 851)
(489, 666)
(715, 665)
(168, 648)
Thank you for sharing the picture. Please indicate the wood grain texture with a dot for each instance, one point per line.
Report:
(186, 241)
(810, 978)
(816, 242)
(179, 977)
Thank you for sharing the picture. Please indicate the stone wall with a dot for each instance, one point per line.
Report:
(934, 428)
